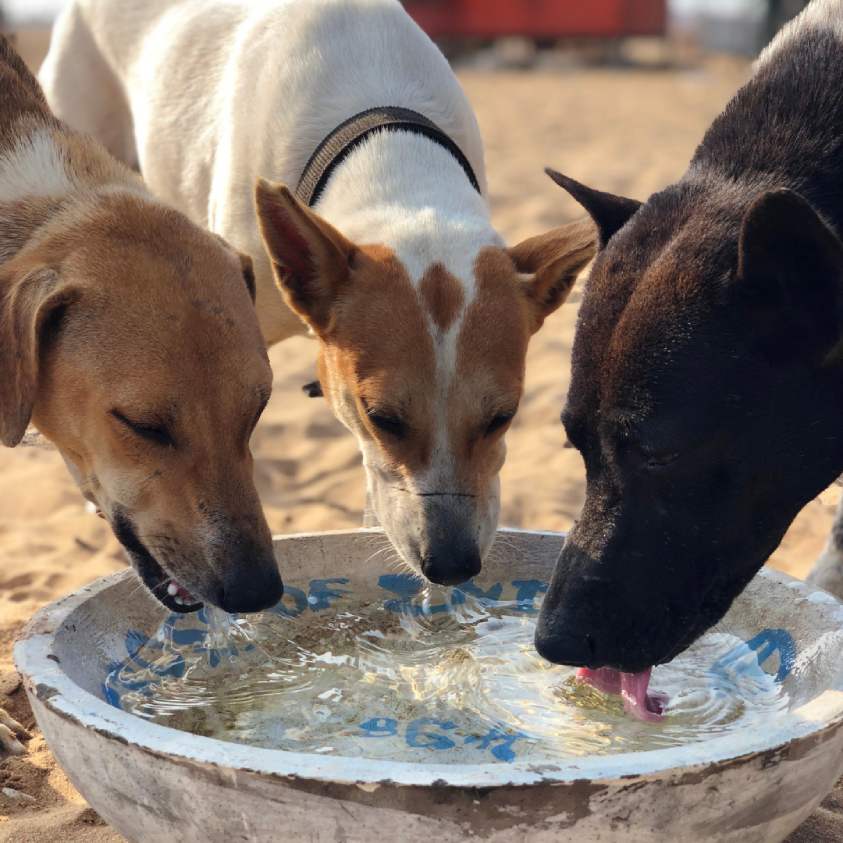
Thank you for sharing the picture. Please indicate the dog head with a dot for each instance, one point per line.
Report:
(424, 365)
(129, 338)
(705, 401)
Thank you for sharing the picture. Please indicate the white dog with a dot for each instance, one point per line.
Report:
(385, 250)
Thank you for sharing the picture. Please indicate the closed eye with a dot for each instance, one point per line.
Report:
(574, 429)
(654, 461)
(256, 417)
(155, 433)
(498, 422)
(387, 423)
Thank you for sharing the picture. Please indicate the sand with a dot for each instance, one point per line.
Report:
(630, 132)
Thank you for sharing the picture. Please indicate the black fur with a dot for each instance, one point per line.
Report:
(707, 385)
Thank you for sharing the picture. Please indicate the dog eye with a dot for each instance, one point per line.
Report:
(388, 424)
(497, 422)
(656, 461)
(574, 430)
(256, 418)
(151, 432)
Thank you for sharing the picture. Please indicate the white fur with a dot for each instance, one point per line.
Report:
(217, 93)
(819, 14)
(383, 192)
(221, 93)
(34, 167)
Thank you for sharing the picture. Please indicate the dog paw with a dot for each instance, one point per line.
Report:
(10, 731)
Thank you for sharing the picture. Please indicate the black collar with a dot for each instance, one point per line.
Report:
(350, 134)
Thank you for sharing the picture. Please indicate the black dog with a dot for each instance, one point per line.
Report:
(707, 389)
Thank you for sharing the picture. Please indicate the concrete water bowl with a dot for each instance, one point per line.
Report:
(154, 783)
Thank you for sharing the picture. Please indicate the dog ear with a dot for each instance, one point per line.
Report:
(609, 212)
(790, 265)
(309, 256)
(553, 260)
(248, 269)
(30, 310)
(246, 266)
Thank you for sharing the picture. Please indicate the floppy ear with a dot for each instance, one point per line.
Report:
(309, 256)
(609, 212)
(246, 266)
(29, 309)
(553, 260)
(790, 265)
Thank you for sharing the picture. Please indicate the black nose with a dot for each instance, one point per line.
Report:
(564, 648)
(451, 568)
(252, 588)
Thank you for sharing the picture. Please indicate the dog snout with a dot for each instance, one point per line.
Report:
(451, 564)
(562, 647)
(449, 551)
(252, 581)
(251, 590)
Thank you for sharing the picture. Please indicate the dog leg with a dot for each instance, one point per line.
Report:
(82, 89)
(10, 731)
(828, 570)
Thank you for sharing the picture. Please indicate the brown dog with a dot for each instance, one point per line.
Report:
(128, 337)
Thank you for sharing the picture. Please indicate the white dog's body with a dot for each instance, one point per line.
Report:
(422, 315)
(205, 110)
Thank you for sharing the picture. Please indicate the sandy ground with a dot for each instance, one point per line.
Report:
(629, 132)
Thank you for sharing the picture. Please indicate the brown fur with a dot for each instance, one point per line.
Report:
(310, 257)
(442, 295)
(110, 302)
(22, 102)
(380, 351)
(430, 418)
(554, 259)
(376, 349)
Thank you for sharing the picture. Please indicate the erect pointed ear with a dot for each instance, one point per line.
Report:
(553, 260)
(790, 263)
(309, 256)
(609, 212)
(30, 306)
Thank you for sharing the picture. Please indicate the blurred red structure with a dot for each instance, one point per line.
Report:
(539, 18)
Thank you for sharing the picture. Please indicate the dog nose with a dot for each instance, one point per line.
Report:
(250, 589)
(450, 567)
(560, 647)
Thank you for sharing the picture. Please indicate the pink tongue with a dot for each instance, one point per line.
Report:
(633, 690)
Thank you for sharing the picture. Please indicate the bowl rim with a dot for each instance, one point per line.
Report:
(45, 680)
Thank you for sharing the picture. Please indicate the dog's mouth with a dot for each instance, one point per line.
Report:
(165, 588)
(638, 701)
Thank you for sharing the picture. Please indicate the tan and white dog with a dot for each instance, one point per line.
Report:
(129, 339)
(422, 315)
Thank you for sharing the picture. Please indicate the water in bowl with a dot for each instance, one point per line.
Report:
(464, 685)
